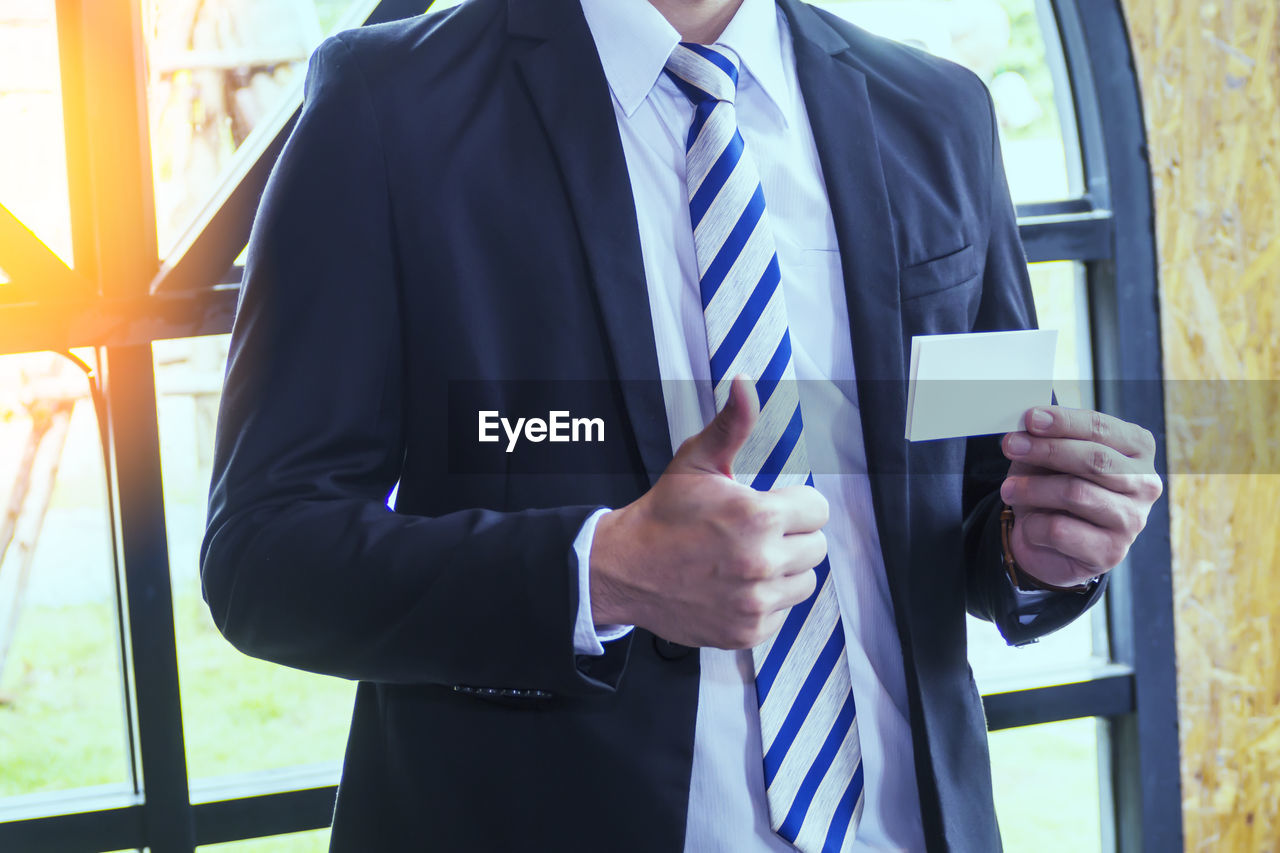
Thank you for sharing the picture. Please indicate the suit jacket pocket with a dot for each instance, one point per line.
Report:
(939, 274)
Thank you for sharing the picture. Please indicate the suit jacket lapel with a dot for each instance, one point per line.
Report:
(835, 94)
(571, 95)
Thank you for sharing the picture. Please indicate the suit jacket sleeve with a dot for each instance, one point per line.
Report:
(302, 562)
(1007, 303)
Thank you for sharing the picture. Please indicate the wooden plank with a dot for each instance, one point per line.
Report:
(1210, 89)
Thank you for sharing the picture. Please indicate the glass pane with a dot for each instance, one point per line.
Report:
(1046, 786)
(1061, 303)
(62, 719)
(1004, 42)
(33, 160)
(239, 714)
(1051, 659)
(218, 70)
(315, 841)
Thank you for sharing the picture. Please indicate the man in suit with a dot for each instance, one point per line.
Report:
(737, 623)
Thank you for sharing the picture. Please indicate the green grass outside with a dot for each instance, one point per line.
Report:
(316, 841)
(63, 727)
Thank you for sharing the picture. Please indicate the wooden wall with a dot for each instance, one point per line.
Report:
(1210, 71)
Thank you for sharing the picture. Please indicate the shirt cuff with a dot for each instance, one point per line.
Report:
(1029, 602)
(588, 637)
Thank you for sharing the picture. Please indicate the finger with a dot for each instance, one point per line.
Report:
(715, 448)
(1098, 463)
(1075, 538)
(800, 509)
(1077, 496)
(793, 589)
(1049, 566)
(801, 552)
(771, 626)
(1018, 469)
(1061, 422)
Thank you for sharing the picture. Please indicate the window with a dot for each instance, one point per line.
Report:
(1011, 45)
(109, 645)
(217, 73)
(316, 841)
(60, 649)
(1047, 787)
(33, 168)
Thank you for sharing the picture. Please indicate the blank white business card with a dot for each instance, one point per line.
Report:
(977, 384)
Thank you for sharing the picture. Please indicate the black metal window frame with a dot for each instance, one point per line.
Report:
(118, 300)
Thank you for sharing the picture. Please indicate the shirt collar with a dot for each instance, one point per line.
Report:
(754, 34)
(634, 41)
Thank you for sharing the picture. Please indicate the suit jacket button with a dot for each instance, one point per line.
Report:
(668, 650)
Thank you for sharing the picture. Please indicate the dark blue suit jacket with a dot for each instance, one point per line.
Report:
(452, 207)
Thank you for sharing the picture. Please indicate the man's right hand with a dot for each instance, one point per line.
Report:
(701, 559)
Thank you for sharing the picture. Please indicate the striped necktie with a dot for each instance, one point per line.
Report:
(808, 725)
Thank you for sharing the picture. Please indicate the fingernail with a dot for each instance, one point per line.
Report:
(1006, 491)
(1019, 444)
(1041, 419)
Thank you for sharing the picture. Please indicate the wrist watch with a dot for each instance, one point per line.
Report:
(1019, 578)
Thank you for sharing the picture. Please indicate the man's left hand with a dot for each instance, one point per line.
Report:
(1081, 486)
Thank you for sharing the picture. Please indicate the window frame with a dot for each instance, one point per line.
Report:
(118, 299)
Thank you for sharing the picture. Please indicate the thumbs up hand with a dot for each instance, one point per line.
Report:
(701, 559)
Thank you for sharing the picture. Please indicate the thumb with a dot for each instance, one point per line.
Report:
(715, 447)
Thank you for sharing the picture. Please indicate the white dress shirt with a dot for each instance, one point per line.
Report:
(727, 806)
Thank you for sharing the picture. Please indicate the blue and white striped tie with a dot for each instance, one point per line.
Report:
(809, 729)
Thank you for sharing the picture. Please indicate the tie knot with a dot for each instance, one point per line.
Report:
(704, 71)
